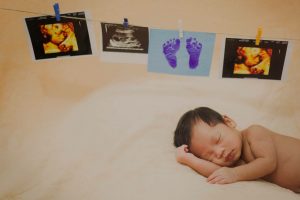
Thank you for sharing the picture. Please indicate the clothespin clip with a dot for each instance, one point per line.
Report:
(258, 36)
(180, 29)
(56, 10)
(125, 23)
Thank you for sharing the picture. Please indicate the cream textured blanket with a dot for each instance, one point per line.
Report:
(117, 143)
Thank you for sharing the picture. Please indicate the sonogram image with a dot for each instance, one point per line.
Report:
(244, 59)
(52, 39)
(118, 38)
(252, 60)
(59, 37)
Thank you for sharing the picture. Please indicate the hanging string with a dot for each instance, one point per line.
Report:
(95, 20)
(38, 13)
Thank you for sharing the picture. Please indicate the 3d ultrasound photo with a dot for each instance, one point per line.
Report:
(67, 37)
(244, 59)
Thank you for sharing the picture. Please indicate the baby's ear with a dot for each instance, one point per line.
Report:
(229, 122)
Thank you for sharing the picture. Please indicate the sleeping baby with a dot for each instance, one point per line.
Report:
(210, 144)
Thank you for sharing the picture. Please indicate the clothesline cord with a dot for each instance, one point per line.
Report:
(95, 20)
(39, 13)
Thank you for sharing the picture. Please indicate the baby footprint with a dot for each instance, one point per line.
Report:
(170, 49)
(194, 49)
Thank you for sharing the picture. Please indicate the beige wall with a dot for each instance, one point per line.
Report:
(45, 88)
(65, 135)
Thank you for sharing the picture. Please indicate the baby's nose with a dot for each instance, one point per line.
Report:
(220, 153)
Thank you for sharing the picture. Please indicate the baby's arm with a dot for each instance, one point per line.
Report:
(264, 151)
(203, 167)
(262, 148)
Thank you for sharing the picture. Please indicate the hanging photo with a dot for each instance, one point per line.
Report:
(67, 37)
(131, 39)
(124, 44)
(190, 55)
(244, 59)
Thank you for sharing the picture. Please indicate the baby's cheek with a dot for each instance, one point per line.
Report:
(196, 153)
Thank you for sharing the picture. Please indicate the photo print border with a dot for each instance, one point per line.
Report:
(264, 61)
(40, 39)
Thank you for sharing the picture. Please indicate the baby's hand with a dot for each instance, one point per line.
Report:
(182, 153)
(222, 176)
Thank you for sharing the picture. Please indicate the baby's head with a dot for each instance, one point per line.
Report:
(209, 136)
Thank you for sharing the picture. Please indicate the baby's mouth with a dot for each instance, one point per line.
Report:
(229, 156)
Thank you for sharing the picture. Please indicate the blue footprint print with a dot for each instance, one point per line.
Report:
(170, 49)
(193, 47)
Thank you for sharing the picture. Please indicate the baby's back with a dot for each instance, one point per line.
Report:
(287, 173)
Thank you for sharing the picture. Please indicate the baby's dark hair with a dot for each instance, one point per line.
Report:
(182, 133)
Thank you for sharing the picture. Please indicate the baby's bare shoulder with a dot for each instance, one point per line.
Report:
(256, 127)
(256, 132)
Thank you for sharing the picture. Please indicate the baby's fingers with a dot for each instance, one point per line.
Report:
(186, 148)
(214, 180)
(211, 177)
(217, 180)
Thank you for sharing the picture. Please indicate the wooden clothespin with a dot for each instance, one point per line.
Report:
(180, 28)
(258, 36)
(125, 23)
(56, 10)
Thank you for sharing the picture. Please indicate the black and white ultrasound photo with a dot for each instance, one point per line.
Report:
(131, 39)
